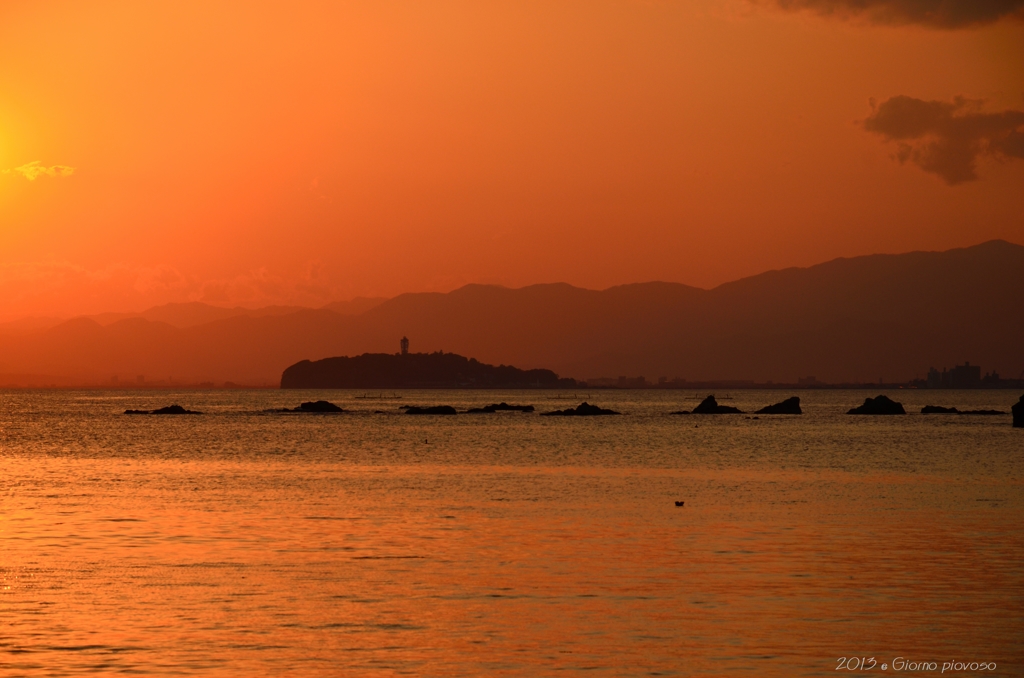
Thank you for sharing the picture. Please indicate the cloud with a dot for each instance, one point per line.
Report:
(33, 170)
(64, 289)
(947, 138)
(932, 13)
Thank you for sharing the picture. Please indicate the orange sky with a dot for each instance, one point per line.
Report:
(302, 152)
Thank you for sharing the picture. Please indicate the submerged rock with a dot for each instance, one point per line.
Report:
(171, 409)
(879, 405)
(583, 410)
(500, 407)
(1018, 413)
(787, 406)
(936, 409)
(436, 409)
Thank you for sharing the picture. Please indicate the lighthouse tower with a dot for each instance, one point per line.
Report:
(405, 346)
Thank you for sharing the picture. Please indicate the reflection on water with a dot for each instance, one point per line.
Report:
(245, 543)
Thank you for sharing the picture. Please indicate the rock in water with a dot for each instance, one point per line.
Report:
(710, 406)
(787, 406)
(500, 407)
(879, 405)
(318, 406)
(584, 410)
(436, 409)
(1018, 413)
(172, 409)
(937, 409)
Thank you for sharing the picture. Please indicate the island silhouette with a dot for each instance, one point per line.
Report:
(415, 370)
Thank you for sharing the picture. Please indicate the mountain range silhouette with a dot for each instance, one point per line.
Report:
(856, 319)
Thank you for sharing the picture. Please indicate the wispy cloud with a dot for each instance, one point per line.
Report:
(949, 14)
(33, 170)
(66, 289)
(947, 137)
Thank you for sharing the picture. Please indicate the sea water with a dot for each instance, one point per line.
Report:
(374, 543)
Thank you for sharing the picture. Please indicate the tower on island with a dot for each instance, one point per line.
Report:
(405, 346)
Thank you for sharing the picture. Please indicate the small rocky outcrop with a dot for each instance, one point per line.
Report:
(879, 405)
(936, 409)
(1018, 413)
(319, 407)
(171, 409)
(500, 407)
(583, 410)
(787, 406)
(710, 406)
(436, 409)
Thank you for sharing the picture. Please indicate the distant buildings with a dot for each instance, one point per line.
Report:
(960, 376)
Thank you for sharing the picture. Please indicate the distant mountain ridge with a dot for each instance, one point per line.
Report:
(355, 306)
(856, 319)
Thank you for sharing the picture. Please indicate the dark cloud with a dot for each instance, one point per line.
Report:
(946, 138)
(932, 13)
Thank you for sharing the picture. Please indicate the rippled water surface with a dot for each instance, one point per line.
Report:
(242, 542)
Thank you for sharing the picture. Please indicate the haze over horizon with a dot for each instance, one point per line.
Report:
(847, 320)
(260, 154)
(185, 313)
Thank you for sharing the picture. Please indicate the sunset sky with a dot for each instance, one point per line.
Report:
(303, 152)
